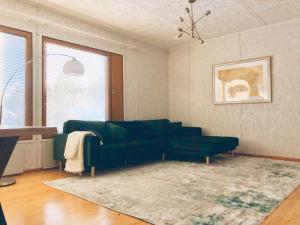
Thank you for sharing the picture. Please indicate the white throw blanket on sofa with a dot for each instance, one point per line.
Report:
(74, 151)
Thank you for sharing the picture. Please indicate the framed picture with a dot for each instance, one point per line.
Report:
(247, 81)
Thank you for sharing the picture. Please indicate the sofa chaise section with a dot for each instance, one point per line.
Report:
(202, 146)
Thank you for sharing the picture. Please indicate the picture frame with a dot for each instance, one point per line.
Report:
(246, 81)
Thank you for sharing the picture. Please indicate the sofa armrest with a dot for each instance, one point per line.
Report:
(191, 131)
(60, 141)
(92, 146)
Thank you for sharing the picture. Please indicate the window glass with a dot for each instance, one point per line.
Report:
(12, 64)
(75, 97)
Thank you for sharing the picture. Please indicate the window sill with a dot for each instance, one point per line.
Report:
(26, 132)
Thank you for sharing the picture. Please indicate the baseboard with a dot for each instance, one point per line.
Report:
(269, 157)
(41, 169)
(32, 171)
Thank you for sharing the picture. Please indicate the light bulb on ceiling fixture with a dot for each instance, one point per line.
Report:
(208, 12)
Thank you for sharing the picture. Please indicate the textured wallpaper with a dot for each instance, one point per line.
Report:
(264, 128)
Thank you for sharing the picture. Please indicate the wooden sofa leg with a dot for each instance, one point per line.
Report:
(60, 164)
(207, 160)
(232, 153)
(93, 170)
(163, 156)
(234, 150)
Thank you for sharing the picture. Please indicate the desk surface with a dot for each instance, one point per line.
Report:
(6, 131)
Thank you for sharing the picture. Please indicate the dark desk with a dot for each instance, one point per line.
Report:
(2, 218)
(8, 139)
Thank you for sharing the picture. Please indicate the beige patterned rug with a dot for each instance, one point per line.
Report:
(232, 191)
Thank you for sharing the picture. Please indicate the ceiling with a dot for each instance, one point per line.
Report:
(156, 21)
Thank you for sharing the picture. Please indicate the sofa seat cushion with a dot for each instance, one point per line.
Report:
(144, 150)
(122, 145)
(205, 144)
(115, 150)
(148, 143)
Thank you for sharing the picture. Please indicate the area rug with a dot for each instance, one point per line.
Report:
(232, 190)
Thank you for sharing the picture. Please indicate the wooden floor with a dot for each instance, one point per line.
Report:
(30, 202)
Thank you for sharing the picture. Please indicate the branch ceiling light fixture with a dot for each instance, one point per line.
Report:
(190, 28)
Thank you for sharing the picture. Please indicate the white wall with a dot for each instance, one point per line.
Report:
(145, 66)
(266, 128)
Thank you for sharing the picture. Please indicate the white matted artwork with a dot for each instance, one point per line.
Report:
(247, 81)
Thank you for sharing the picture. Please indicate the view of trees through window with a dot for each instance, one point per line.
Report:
(12, 60)
(75, 97)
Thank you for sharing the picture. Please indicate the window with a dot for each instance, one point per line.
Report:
(75, 97)
(15, 51)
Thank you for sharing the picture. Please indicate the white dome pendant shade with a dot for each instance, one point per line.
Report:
(73, 68)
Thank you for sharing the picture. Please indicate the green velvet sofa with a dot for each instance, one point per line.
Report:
(121, 142)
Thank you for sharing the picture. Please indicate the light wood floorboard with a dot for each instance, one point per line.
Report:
(30, 202)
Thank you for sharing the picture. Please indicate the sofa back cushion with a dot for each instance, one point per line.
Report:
(134, 130)
(174, 129)
(81, 125)
(114, 134)
(144, 129)
(155, 128)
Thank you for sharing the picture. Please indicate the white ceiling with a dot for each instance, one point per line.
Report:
(156, 21)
